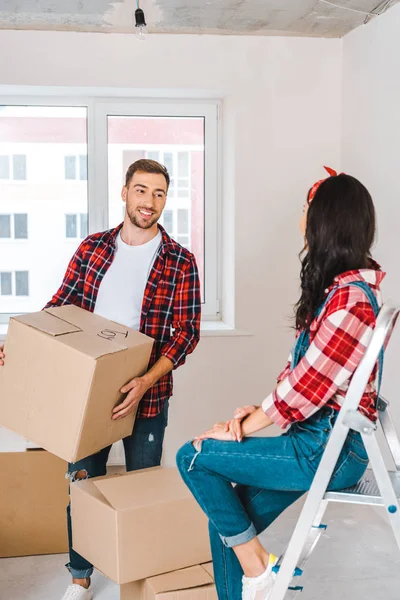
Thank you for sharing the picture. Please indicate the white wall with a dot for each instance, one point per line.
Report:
(371, 147)
(281, 123)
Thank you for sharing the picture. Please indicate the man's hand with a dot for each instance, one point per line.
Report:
(234, 426)
(2, 356)
(135, 389)
(218, 432)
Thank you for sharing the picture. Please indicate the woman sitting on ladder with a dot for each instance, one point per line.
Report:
(335, 317)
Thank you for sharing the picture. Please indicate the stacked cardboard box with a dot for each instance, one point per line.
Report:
(193, 583)
(136, 525)
(33, 499)
(62, 377)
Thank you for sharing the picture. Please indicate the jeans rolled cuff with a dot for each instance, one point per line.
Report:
(79, 573)
(241, 538)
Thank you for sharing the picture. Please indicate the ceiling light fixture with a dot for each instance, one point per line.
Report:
(140, 23)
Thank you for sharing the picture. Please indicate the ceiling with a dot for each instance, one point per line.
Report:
(316, 18)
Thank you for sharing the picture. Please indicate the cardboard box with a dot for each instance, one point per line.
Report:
(139, 524)
(33, 502)
(194, 583)
(62, 377)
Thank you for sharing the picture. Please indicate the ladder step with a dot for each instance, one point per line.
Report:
(366, 491)
(297, 572)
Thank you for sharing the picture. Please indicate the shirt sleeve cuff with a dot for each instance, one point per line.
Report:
(270, 409)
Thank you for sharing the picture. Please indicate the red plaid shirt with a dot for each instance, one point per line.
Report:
(339, 337)
(171, 307)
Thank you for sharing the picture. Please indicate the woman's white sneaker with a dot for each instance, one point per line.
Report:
(259, 588)
(77, 592)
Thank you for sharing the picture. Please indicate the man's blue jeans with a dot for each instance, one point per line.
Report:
(143, 449)
(271, 474)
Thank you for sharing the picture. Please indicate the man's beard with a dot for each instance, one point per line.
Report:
(139, 223)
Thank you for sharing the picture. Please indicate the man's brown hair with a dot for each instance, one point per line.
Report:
(146, 165)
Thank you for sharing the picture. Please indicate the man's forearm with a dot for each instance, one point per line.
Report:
(162, 367)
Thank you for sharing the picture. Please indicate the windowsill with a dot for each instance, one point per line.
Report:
(221, 329)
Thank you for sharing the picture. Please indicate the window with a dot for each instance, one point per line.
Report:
(19, 167)
(13, 167)
(184, 139)
(5, 226)
(181, 195)
(4, 167)
(21, 227)
(14, 226)
(14, 284)
(49, 137)
(32, 213)
(71, 226)
(21, 283)
(76, 226)
(5, 284)
(75, 167)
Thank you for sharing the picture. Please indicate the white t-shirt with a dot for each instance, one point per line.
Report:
(121, 292)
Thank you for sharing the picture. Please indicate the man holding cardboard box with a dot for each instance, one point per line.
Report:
(138, 276)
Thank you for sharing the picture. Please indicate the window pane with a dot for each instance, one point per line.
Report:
(70, 167)
(21, 283)
(5, 284)
(169, 221)
(84, 225)
(49, 138)
(19, 167)
(183, 221)
(71, 226)
(83, 168)
(5, 226)
(169, 163)
(183, 164)
(4, 167)
(21, 227)
(178, 142)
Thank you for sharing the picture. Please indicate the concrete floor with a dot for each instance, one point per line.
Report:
(357, 558)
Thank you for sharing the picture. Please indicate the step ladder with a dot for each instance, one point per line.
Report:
(378, 486)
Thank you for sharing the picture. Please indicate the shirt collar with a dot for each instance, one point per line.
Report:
(373, 276)
(167, 243)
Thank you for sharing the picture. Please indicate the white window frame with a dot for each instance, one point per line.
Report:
(14, 283)
(98, 108)
(77, 177)
(12, 237)
(11, 179)
(79, 237)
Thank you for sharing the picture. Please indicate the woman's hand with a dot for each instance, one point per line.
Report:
(218, 432)
(235, 424)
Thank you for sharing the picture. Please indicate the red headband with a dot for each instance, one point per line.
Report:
(316, 185)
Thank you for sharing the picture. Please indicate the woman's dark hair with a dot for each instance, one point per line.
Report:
(340, 231)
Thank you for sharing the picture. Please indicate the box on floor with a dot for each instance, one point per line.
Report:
(33, 499)
(62, 377)
(150, 524)
(193, 583)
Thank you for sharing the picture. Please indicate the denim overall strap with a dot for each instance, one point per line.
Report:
(303, 341)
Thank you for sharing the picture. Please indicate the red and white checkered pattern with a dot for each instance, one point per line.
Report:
(339, 337)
